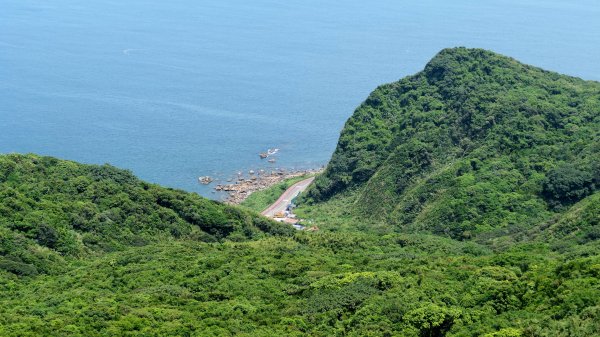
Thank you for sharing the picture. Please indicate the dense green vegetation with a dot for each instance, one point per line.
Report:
(462, 201)
(474, 143)
(319, 284)
(51, 209)
(259, 201)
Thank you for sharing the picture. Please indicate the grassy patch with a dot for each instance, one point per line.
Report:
(260, 200)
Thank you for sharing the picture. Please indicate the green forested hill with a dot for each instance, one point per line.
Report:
(462, 201)
(476, 142)
(50, 209)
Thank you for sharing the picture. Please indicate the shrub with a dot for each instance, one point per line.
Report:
(566, 184)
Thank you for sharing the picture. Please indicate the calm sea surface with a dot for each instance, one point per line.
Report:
(173, 90)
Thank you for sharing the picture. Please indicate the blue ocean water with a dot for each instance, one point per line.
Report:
(173, 90)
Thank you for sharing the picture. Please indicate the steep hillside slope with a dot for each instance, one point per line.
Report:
(473, 143)
(52, 208)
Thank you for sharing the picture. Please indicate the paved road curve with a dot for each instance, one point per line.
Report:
(287, 196)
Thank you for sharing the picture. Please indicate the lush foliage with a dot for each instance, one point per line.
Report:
(320, 284)
(489, 168)
(51, 209)
(476, 142)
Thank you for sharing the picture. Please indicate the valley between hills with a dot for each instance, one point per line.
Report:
(463, 200)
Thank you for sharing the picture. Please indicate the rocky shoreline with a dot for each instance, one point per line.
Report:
(258, 181)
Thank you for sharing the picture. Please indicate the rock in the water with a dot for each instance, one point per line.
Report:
(205, 180)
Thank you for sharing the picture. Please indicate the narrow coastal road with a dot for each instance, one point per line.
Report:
(287, 196)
